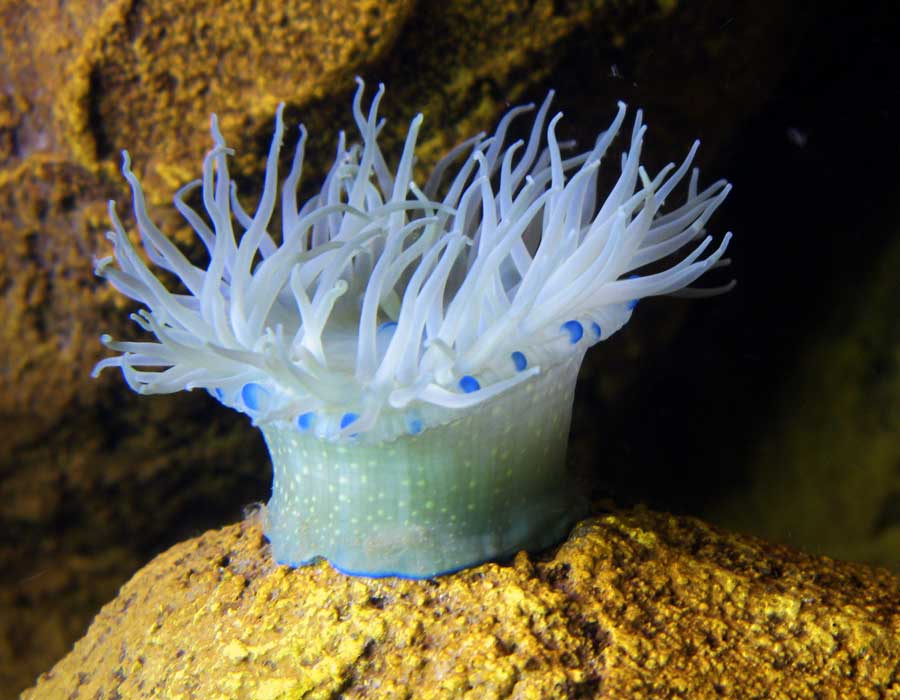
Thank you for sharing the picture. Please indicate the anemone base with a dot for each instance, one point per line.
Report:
(456, 495)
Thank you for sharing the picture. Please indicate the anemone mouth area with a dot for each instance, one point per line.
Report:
(455, 495)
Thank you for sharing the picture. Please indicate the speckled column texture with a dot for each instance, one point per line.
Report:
(634, 605)
(480, 487)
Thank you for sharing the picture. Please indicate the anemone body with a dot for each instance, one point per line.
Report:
(410, 351)
(466, 491)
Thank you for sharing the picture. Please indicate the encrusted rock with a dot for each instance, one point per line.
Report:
(635, 604)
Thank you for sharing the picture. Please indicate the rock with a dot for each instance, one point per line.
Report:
(636, 604)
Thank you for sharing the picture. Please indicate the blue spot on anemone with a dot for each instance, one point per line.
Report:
(254, 396)
(415, 425)
(519, 360)
(469, 384)
(574, 329)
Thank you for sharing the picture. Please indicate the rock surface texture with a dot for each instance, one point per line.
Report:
(635, 604)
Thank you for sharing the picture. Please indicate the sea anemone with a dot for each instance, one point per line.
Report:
(410, 351)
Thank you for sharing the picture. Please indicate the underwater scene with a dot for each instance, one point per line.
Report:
(394, 349)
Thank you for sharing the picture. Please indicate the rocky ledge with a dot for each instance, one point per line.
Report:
(635, 604)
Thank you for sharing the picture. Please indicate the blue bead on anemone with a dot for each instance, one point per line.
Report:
(409, 350)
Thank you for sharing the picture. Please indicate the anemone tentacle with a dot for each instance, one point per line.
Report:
(382, 294)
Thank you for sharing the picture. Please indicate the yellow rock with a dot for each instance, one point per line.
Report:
(635, 604)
